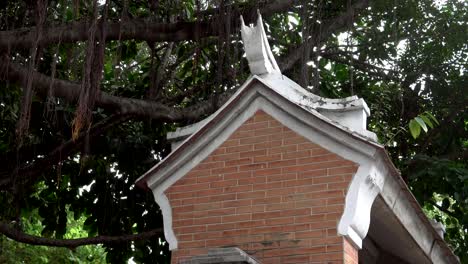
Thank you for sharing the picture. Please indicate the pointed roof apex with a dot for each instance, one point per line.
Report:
(257, 49)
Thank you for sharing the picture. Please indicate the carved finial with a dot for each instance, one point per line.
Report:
(257, 49)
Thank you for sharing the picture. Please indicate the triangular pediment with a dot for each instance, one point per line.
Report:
(255, 95)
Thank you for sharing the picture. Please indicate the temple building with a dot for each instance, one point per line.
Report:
(280, 175)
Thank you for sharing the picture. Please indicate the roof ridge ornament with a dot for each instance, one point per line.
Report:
(257, 48)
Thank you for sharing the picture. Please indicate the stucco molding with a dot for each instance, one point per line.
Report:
(166, 209)
(257, 49)
(348, 113)
(367, 183)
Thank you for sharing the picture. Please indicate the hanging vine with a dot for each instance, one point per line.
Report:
(25, 114)
(92, 72)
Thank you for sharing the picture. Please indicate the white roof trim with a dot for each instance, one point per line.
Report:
(327, 109)
(257, 48)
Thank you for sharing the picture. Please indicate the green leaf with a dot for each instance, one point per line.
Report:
(341, 72)
(415, 128)
(426, 120)
(421, 123)
(432, 117)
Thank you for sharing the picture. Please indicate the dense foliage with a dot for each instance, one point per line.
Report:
(73, 141)
(16, 252)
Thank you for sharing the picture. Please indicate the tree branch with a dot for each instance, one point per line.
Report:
(139, 29)
(158, 74)
(29, 171)
(329, 27)
(22, 237)
(69, 91)
(363, 66)
(131, 29)
(266, 8)
(443, 210)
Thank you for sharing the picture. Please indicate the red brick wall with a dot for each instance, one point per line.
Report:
(350, 253)
(266, 190)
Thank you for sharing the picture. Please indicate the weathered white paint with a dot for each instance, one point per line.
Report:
(439, 227)
(257, 48)
(367, 183)
(348, 113)
(166, 209)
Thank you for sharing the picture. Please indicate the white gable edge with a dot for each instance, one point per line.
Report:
(194, 128)
(407, 210)
(372, 178)
(336, 111)
(380, 177)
